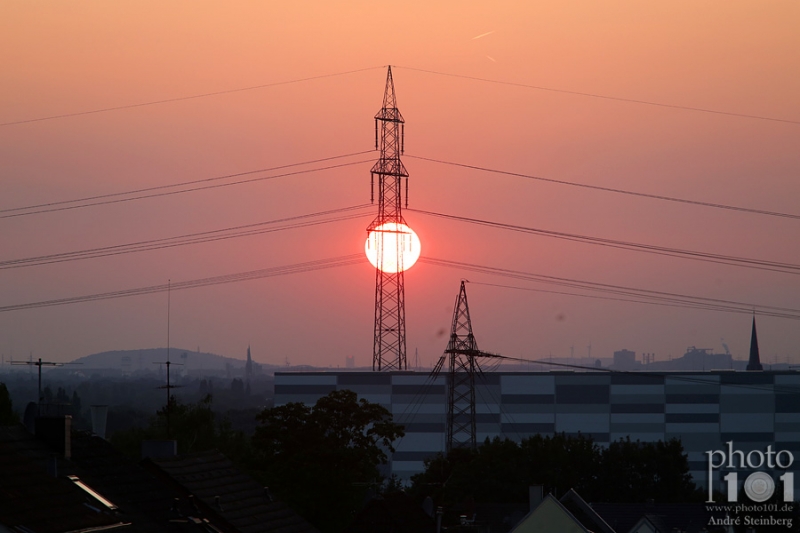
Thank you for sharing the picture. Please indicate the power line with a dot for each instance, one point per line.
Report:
(745, 262)
(592, 296)
(246, 230)
(182, 184)
(660, 302)
(191, 189)
(783, 389)
(182, 98)
(461, 76)
(297, 268)
(652, 296)
(613, 190)
(605, 97)
(659, 297)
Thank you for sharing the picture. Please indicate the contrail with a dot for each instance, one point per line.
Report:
(483, 35)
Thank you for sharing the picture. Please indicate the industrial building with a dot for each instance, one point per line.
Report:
(706, 410)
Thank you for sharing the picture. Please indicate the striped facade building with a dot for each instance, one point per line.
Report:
(706, 410)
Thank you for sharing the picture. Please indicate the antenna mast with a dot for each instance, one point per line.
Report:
(168, 386)
(40, 364)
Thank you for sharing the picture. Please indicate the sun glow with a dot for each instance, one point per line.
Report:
(399, 245)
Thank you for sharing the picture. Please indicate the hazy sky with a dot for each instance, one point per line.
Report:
(66, 57)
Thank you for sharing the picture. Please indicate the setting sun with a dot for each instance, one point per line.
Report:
(408, 247)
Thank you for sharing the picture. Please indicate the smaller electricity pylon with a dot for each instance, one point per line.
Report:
(462, 355)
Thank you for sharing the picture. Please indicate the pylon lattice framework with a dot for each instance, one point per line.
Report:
(461, 353)
(389, 346)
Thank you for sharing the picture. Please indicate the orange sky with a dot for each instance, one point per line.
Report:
(58, 57)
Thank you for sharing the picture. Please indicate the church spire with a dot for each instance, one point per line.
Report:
(248, 367)
(755, 361)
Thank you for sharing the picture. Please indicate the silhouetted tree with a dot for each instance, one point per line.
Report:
(322, 460)
(193, 425)
(61, 396)
(562, 462)
(645, 470)
(489, 474)
(7, 415)
(501, 470)
(76, 405)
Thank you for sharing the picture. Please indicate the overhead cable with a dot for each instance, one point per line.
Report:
(246, 230)
(631, 293)
(182, 98)
(660, 297)
(758, 264)
(613, 190)
(605, 97)
(182, 191)
(672, 376)
(297, 268)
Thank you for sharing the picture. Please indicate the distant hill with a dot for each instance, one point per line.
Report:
(146, 359)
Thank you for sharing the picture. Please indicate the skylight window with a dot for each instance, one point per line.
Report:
(93, 493)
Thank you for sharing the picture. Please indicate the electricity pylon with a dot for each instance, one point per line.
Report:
(389, 346)
(462, 355)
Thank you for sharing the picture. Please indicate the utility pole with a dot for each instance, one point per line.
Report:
(389, 345)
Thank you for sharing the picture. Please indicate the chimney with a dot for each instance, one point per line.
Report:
(55, 431)
(535, 496)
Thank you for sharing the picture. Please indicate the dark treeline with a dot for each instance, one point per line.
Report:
(322, 460)
(196, 428)
(133, 400)
(325, 460)
(501, 470)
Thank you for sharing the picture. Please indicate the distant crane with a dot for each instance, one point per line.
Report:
(725, 346)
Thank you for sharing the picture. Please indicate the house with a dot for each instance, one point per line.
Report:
(217, 487)
(550, 516)
(63, 481)
(656, 517)
(571, 513)
(395, 512)
(36, 495)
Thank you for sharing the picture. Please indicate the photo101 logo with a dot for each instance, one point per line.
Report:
(759, 486)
